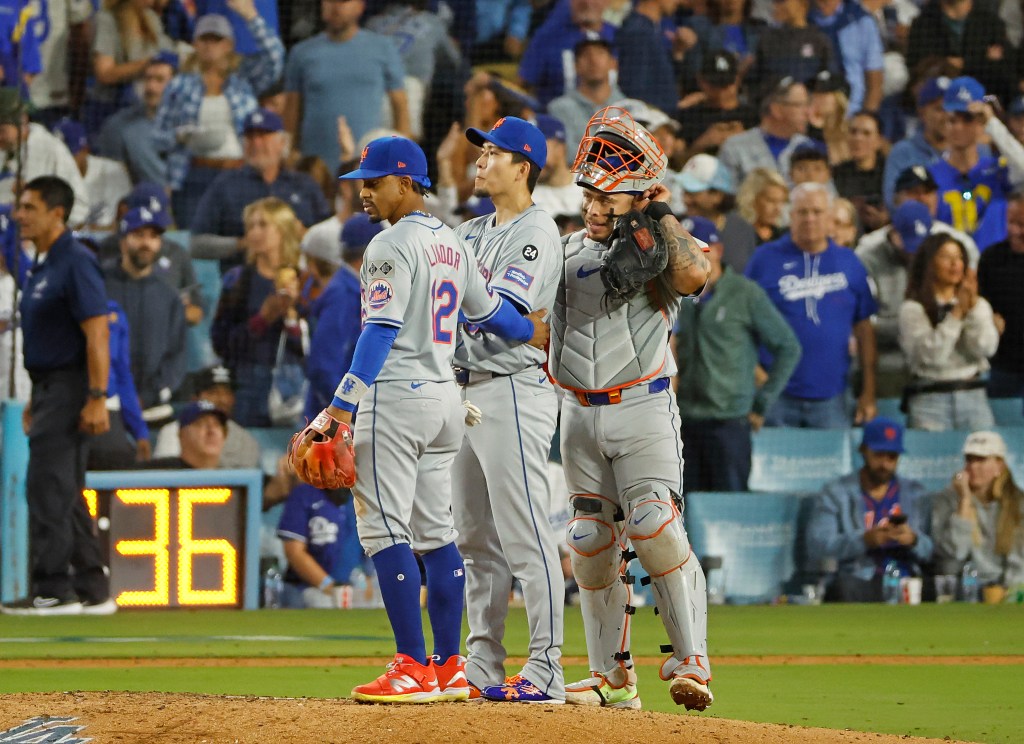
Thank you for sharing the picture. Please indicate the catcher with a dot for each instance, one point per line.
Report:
(417, 278)
(624, 276)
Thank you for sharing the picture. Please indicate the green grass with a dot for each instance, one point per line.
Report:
(979, 703)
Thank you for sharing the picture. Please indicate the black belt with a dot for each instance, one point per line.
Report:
(922, 387)
(466, 376)
(611, 397)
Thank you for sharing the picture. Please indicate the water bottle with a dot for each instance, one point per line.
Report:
(273, 585)
(891, 583)
(969, 583)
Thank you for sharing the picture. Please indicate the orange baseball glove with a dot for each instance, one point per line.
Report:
(322, 454)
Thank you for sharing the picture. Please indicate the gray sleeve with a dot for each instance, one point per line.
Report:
(951, 534)
(107, 41)
(207, 245)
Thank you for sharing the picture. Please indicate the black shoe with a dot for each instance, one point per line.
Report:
(102, 607)
(42, 606)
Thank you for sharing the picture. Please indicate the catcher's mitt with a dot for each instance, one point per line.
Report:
(638, 253)
(322, 454)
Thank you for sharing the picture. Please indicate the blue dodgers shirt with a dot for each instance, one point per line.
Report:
(974, 202)
(312, 518)
(822, 296)
(62, 291)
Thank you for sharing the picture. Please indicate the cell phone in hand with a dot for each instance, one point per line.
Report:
(897, 519)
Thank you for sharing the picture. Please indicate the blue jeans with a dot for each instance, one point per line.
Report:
(716, 454)
(1003, 383)
(962, 409)
(803, 413)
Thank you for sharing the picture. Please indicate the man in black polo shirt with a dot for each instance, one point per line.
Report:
(67, 355)
(717, 112)
(1000, 277)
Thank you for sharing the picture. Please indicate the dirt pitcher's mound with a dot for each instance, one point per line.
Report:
(153, 718)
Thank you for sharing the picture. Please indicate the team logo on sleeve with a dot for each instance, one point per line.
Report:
(518, 276)
(379, 294)
(530, 253)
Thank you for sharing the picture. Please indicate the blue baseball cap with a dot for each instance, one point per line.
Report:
(961, 93)
(199, 408)
(165, 57)
(932, 89)
(913, 222)
(391, 156)
(150, 195)
(515, 135)
(702, 229)
(883, 435)
(551, 127)
(72, 134)
(141, 217)
(356, 234)
(262, 120)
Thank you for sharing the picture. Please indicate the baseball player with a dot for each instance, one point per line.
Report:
(500, 493)
(620, 425)
(416, 278)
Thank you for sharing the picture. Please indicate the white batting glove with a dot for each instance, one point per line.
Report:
(473, 414)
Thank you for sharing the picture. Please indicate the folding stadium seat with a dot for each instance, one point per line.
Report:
(799, 460)
(932, 456)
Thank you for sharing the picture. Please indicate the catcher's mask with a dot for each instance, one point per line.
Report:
(616, 154)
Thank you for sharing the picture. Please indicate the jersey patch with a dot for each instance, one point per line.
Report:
(383, 268)
(379, 294)
(530, 252)
(518, 276)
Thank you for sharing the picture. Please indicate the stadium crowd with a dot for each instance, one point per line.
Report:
(856, 167)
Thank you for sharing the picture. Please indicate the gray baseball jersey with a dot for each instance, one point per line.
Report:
(416, 275)
(500, 495)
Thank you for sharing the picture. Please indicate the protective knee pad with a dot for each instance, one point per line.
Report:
(595, 553)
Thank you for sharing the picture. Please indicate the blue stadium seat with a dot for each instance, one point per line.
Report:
(932, 456)
(200, 350)
(798, 460)
(890, 408)
(1014, 436)
(753, 533)
(1008, 411)
(273, 443)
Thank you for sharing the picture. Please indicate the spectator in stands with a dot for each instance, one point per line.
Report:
(887, 257)
(709, 192)
(715, 113)
(556, 192)
(648, 69)
(844, 227)
(948, 335)
(20, 60)
(855, 36)
(977, 518)
(867, 519)
(716, 343)
(1000, 279)
(859, 179)
(344, 71)
(218, 230)
(130, 135)
(56, 91)
(1015, 117)
(595, 89)
(215, 385)
(733, 31)
(762, 201)
(925, 146)
(822, 291)
(207, 104)
(49, 156)
(968, 36)
(546, 69)
(156, 317)
(781, 131)
(826, 118)
(128, 34)
(791, 48)
(202, 431)
(973, 187)
(12, 362)
(502, 30)
(809, 164)
(917, 184)
(106, 181)
(252, 313)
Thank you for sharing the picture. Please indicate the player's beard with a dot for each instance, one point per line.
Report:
(482, 193)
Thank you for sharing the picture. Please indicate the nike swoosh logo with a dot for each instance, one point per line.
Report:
(417, 385)
(580, 537)
(642, 518)
(581, 273)
(542, 379)
(470, 237)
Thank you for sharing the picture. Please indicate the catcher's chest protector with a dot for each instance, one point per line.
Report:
(596, 345)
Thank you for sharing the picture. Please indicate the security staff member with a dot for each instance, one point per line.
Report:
(67, 355)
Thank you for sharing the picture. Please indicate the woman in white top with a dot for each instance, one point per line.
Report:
(947, 333)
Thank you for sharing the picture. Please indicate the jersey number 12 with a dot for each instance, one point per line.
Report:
(444, 299)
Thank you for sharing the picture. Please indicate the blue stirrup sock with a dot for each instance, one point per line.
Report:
(446, 584)
(398, 575)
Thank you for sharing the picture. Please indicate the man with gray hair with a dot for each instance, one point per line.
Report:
(822, 290)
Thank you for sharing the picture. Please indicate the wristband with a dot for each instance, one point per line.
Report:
(97, 393)
(656, 210)
(327, 582)
(350, 390)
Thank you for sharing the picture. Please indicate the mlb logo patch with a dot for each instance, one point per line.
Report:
(379, 294)
(518, 276)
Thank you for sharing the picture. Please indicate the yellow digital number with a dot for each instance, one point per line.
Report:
(159, 498)
(189, 547)
(90, 501)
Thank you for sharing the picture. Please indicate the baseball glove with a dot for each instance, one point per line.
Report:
(322, 454)
(638, 253)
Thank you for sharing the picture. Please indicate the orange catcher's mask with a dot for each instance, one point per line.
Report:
(616, 154)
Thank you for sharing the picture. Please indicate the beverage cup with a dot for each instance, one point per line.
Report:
(993, 594)
(910, 590)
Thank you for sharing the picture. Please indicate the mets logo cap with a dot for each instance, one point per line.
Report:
(515, 135)
(883, 435)
(391, 156)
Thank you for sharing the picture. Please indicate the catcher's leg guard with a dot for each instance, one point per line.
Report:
(604, 598)
(655, 528)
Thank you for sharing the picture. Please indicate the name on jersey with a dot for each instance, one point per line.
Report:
(484, 271)
(518, 276)
(802, 287)
(379, 294)
(443, 254)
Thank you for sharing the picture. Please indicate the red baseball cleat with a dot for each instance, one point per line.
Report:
(405, 681)
(451, 678)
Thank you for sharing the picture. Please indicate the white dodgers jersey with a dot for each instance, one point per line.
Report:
(520, 260)
(417, 275)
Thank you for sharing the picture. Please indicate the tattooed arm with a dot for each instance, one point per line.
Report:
(688, 268)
